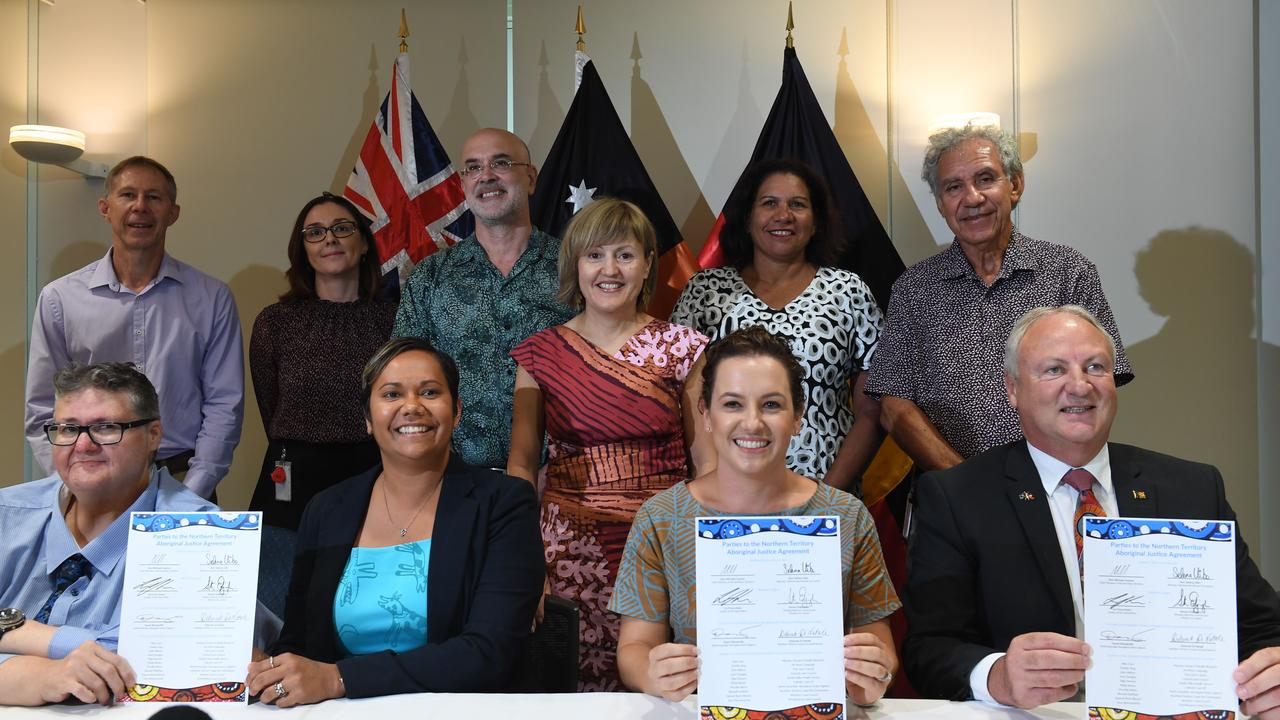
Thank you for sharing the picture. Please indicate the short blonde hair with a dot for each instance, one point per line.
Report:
(605, 221)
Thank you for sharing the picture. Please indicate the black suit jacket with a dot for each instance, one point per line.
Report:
(484, 578)
(986, 565)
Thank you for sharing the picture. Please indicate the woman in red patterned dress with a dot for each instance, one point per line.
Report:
(608, 390)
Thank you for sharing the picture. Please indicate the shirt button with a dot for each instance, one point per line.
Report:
(137, 332)
(75, 593)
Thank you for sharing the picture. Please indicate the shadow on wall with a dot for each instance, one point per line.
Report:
(1196, 389)
(857, 137)
(77, 255)
(461, 120)
(741, 132)
(13, 165)
(254, 287)
(657, 147)
(550, 114)
(370, 101)
(12, 362)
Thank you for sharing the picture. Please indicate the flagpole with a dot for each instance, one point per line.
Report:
(581, 29)
(791, 25)
(580, 58)
(404, 32)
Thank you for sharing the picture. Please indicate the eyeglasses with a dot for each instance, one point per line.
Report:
(501, 166)
(103, 433)
(340, 229)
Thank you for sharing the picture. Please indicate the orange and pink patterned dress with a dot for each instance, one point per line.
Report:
(615, 437)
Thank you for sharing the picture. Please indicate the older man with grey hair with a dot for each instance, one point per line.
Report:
(937, 368)
(994, 601)
(62, 570)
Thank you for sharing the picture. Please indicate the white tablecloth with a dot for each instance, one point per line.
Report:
(585, 706)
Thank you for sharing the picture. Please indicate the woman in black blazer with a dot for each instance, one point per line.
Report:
(422, 528)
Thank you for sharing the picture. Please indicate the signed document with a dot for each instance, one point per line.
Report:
(190, 593)
(770, 616)
(1160, 615)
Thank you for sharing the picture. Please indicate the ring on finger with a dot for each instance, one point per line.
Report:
(886, 678)
(272, 660)
(280, 691)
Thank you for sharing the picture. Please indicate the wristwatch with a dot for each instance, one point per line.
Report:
(11, 619)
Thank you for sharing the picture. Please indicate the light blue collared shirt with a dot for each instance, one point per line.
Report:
(37, 540)
(183, 333)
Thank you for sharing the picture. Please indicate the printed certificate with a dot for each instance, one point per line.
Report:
(1160, 615)
(190, 594)
(770, 616)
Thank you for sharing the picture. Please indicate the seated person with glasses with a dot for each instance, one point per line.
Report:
(62, 568)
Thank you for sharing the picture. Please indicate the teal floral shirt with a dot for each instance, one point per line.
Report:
(459, 301)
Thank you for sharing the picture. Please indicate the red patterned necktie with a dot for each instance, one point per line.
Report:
(1086, 505)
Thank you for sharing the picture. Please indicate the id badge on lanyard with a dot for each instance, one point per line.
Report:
(282, 477)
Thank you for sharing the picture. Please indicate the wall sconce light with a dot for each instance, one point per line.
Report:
(51, 145)
(959, 120)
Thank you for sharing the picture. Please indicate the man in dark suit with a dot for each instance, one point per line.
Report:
(993, 600)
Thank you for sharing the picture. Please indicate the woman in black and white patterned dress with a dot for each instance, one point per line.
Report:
(780, 243)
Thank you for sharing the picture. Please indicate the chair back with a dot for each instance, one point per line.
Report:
(550, 663)
(275, 566)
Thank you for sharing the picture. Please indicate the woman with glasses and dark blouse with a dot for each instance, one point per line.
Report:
(305, 357)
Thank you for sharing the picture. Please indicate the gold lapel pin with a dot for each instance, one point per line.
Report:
(1139, 494)
(1026, 496)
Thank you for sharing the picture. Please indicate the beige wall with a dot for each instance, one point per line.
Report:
(13, 236)
(1136, 122)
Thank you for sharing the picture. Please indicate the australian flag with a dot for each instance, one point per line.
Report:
(593, 158)
(404, 183)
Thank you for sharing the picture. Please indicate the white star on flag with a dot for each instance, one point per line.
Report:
(580, 196)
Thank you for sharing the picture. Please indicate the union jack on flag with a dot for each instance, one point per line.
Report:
(404, 183)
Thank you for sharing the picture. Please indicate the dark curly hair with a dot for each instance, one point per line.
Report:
(827, 242)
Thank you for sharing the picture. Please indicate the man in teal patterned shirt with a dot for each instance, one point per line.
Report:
(482, 297)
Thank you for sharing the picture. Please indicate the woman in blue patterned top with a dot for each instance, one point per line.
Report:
(420, 575)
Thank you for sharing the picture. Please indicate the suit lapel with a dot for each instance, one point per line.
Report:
(450, 544)
(1026, 495)
(342, 524)
(1136, 495)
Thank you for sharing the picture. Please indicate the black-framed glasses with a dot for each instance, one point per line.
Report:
(501, 166)
(103, 433)
(340, 229)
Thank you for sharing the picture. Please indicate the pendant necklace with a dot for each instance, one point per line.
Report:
(387, 504)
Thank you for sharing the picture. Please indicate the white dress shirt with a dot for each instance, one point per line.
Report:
(1062, 506)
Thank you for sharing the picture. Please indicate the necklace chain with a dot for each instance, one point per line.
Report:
(387, 504)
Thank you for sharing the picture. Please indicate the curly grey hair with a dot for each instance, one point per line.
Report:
(948, 138)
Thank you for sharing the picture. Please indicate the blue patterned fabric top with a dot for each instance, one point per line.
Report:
(464, 306)
(381, 603)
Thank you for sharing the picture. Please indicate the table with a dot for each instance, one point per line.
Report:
(584, 706)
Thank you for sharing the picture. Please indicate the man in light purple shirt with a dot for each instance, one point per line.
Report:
(137, 304)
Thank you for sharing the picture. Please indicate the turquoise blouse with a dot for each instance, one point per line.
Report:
(381, 603)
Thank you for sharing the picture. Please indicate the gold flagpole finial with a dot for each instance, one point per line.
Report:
(791, 24)
(581, 29)
(404, 31)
